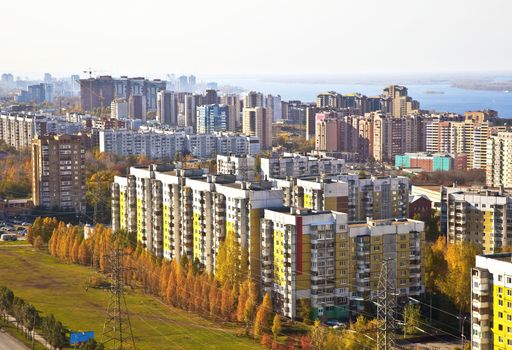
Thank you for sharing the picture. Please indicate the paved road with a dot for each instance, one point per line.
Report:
(9, 343)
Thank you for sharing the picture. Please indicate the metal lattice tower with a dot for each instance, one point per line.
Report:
(117, 330)
(386, 308)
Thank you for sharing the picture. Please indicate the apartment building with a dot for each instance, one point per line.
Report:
(243, 167)
(257, 121)
(376, 135)
(491, 303)
(58, 172)
(18, 130)
(295, 165)
(375, 197)
(468, 137)
(164, 144)
(320, 258)
(481, 217)
(187, 212)
(101, 91)
(301, 259)
(499, 160)
(211, 118)
(399, 241)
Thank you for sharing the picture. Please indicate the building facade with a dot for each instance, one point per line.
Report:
(499, 160)
(257, 122)
(481, 217)
(166, 144)
(491, 302)
(58, 172)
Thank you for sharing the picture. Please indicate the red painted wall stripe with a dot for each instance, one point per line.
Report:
(298, 224)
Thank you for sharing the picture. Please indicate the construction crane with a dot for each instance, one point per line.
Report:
(89, 71)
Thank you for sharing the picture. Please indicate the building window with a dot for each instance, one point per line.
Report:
(500, 302)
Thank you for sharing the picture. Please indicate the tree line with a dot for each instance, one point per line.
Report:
(29, 320)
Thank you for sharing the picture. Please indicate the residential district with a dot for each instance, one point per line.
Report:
(338, 207)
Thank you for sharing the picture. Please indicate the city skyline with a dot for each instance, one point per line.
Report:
(279, 38)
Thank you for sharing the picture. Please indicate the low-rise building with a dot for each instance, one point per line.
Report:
(431, 162)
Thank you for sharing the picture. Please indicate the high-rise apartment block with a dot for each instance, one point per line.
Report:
(100, 92)
(233, 103)
(374, 135)
(401, 104)
(491, 302)
(481, 217)
(399, 241)
(58, 172)
(167, 108)
(499, 160)
(37, 94)
(317, 256)
(212, 118)
(186, 212)
(119, 109)
(257, 122)
(301, 260)
(361, 198)
(254, 99)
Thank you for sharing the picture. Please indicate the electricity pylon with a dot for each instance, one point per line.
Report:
(117, 330)
(386, 308)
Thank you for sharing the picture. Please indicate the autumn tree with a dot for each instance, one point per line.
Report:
(305, 311)
(460, 259)
(435, 264)
(276, 325)
(242, 299)
(266, 341)
(83, 253)
(261, 323)
(318, 334)
(228, 260)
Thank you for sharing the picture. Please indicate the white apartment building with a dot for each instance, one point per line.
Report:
(499, 160)
(165, 144)
(243, 167)
(295, 165)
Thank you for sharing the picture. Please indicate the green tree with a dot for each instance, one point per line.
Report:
(412, 317)
(6, 300)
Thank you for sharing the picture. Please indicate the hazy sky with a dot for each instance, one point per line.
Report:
(154, 37)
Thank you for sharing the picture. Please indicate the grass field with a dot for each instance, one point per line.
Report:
(58, 288)
(20, 242)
